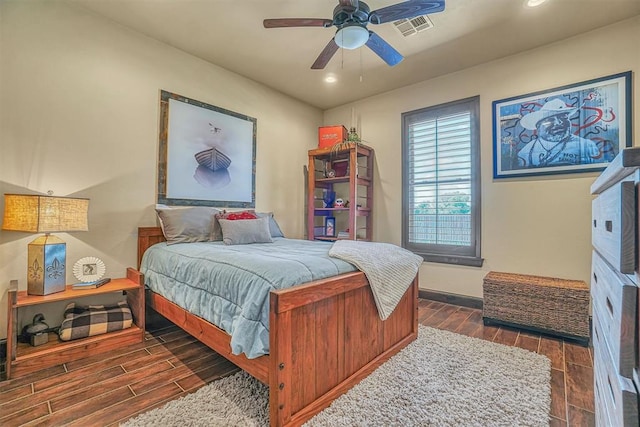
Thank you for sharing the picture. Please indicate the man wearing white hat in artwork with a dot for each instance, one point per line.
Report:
(554, 144)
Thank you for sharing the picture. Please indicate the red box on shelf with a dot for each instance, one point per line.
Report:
(328, 136)
(340, 167)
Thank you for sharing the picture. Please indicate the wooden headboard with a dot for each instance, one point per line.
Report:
(148, 236)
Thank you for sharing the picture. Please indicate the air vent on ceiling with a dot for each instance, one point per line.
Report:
(408, 27)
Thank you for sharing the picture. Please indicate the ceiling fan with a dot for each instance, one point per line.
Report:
(351, 17)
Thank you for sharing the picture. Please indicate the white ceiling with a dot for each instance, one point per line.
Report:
(230, 34)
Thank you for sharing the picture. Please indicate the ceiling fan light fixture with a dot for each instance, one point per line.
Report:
(535, 3)
(352, 36)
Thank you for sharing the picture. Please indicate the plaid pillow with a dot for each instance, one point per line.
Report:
(85, 321)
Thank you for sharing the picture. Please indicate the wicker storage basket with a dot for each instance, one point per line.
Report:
(543, 304)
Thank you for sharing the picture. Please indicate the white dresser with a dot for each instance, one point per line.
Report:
(614, 290)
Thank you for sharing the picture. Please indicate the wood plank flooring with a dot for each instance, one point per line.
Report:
(108, 389)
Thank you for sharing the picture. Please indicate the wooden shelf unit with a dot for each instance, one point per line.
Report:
(356, 186)
(23, 358)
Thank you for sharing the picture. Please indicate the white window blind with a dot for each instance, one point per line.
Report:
(441, 161)
(440, 177)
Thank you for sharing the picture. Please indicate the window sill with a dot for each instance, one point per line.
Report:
(453, 259)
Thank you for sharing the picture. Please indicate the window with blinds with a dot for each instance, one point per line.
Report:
(441, 182)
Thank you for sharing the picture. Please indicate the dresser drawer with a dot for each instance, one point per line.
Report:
(603, 417)
(614, 224)
(616, 396)
(614, 299)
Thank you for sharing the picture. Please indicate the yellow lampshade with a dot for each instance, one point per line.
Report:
(47, 255)
(44, 214)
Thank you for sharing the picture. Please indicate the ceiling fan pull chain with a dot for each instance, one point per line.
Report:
(361, 69)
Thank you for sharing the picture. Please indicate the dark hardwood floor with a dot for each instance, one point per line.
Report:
(111, 388)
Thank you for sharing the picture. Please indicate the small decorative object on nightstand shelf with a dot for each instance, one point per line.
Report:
(90, 285)
(37, 333)
(89, 269)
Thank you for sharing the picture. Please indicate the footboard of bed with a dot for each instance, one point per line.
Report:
(325, 338)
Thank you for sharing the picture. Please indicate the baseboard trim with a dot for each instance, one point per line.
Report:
(448, 298)
(3, 358)
(581, 340)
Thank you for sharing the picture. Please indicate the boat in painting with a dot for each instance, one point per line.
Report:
(213, 159)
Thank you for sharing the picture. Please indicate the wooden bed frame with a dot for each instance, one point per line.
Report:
(325, 336)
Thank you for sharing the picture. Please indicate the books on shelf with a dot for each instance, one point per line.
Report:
(90, 285)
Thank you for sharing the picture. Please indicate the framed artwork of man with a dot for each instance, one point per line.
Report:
(575, 128)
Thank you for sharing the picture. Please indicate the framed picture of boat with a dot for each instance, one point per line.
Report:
(207, 154)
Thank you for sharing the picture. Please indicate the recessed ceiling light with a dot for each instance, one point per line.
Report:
(534, 3)
(330, 79)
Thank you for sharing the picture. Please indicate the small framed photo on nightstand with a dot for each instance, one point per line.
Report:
(330, 226)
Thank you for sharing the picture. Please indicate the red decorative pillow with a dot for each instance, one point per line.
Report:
(239, 215)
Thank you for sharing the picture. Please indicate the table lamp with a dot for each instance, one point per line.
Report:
(47, 256)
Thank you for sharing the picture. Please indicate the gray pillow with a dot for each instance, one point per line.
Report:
(244, 231)
(186, 225)
(216, 231)
(274, 228)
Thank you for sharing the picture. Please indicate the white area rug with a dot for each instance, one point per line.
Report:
(441, 379)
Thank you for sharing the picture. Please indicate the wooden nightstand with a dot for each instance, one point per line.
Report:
(23, 358)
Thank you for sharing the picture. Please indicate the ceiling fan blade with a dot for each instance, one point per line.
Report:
(352, 3)
(406, 10)
(325, 56)
(297, 22)
(383, 49)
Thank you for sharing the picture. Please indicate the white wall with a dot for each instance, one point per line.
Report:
(530, 225)
(79, 100)
(79, 115)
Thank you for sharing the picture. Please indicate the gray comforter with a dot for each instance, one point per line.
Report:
(229, 285)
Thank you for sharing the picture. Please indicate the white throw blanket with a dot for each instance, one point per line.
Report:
(390, 269)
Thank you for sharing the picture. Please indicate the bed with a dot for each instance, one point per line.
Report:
(324, 337)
